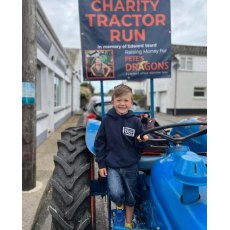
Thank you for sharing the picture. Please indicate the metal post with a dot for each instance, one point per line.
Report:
(152, 97)
(102, 99)
(176, 66)
(175, 93)
(29, 69)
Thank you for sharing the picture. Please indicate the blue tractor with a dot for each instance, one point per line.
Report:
(172, 182)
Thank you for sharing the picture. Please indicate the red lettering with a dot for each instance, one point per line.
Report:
(131, 67)
(115, 35)
(135, 67)
(160, 19)
(154, 4)
(139, 35)
(109, 6)
(145, 3)
(145, 18)
(154, 66)
(127, 35)
(137, 19)
(146, 66)
(134, 58)
(130, 5)
(114, 21)
(94, 5)
(102, 20)
(160, 65)
(128, 67)
(127, 20)
(124, 23)
(90, 16)
(119, 6)
(166, 65)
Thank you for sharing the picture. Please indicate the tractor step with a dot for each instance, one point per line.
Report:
(136, 224)
(123, 228)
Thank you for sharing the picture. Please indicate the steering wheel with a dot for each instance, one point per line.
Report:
(165, 137)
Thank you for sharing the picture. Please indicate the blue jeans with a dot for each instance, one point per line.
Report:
(122, 184)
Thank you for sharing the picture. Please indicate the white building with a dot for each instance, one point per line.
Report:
(58, 79)
(186, 91)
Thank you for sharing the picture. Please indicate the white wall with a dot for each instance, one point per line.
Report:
(164, 88)
(51, 117)
(199, 64)
(186, 83)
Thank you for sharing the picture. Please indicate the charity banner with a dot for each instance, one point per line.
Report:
(125, 39)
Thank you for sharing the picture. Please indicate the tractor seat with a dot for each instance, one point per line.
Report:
(149, 154)
(146, 162)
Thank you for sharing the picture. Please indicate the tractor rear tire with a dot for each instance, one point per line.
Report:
(71, 205)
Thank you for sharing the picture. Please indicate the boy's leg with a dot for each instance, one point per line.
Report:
(115, 187)
(117, 194)
(129, 214)
(130, 179)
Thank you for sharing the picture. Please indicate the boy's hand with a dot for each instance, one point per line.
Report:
(144, 138)
(103, 172)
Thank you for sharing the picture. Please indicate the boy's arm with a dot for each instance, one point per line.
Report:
(100, 147)
(143, 139)
(140, 129)
(103, 172)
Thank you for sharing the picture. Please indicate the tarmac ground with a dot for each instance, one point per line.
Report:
(35, 200)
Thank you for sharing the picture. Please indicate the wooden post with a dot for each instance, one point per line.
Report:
(29, 70)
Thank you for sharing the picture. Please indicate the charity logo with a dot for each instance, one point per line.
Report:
(128, 131)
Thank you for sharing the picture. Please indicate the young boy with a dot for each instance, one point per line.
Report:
(117, 150)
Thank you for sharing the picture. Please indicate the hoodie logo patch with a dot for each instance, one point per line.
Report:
(128, 131)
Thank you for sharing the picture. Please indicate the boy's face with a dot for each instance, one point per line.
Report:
(123, 103)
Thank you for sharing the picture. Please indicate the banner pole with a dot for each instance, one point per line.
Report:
(152, 96)
(102, 99)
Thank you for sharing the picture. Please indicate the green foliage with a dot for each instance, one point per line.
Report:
(141, 100)
(89, 86)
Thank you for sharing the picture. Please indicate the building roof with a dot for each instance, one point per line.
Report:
(189, 50)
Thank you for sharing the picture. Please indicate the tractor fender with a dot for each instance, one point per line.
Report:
(91, 132)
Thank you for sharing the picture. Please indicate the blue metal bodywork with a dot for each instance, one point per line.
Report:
(166, 183)
(166, 191)
(198, 144)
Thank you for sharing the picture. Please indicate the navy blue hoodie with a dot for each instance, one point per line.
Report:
(115, 144)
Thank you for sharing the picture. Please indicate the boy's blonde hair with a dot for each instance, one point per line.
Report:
(121, 89)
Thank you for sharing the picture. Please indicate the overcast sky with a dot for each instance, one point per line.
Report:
(188, 22)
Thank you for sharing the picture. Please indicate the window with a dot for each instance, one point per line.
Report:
(57, 91)
(189, 63)
(186, 63)
(199, 92)
(61, 63)
(67, 94)
(39, 89)
(42, 38)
